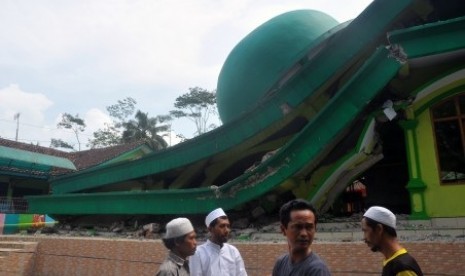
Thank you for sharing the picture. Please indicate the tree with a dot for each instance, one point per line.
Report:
(122, 110)
(74, 123)
(197, 105)
(111, 134)
(106, 137)
(58, 143)
(124, 130)
(146, 128)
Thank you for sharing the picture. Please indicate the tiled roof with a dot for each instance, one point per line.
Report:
(81, 159)
(92, 157)
(33, 148)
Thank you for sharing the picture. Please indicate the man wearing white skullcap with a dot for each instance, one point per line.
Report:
(216, 257)
(180, 239)
(379, 231)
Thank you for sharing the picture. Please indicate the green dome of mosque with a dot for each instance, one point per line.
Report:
(263, 56)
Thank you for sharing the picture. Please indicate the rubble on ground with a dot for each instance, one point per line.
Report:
(262, 228)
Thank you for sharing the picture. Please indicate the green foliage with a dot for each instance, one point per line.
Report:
(109, 136)
(146, 128)
(197, 105)
(123, 109)
(58, 143)
(125, 130)
(73, 123)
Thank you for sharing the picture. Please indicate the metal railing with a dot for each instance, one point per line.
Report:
(13, 205)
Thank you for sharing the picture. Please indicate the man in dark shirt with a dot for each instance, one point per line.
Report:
(379, 231)
(180, 239)
(298, 223)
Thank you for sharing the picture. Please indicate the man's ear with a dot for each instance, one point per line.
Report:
(283, 229)
(379, 228)
(180, 242)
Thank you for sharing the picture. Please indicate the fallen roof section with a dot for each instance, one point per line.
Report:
(10, 157)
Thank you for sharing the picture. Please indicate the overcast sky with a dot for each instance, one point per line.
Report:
(81, 56)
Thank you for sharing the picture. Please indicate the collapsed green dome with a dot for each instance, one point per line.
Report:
(263, 56)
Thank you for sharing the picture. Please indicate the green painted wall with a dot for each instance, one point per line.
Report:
(441, 200)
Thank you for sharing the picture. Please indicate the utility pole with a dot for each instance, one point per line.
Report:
(16, 117)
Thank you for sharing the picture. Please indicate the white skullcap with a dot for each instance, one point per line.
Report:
(214, 215)
(178, 227)
(381, 215)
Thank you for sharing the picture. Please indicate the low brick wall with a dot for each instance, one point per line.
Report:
(17, 258)
(92, 256)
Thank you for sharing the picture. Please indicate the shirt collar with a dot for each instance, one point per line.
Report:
(398, 252)
(175, 258)
(213, 245)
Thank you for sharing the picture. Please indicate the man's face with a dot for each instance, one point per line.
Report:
(220, 232)
(188, 246)
(300, 230)
(370, 236)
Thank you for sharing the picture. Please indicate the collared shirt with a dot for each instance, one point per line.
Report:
(173, 265)
(212, 260)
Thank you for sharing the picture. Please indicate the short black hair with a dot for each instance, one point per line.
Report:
(372, 224)
(295, 204)
(171, 242)
(215, 221)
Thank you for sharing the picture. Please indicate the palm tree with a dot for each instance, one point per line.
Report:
(146, 128)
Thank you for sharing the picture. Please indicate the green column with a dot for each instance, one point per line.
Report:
(415, 185)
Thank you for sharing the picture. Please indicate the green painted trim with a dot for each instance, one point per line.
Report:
(32, 160)
(430, 39)
(439, 97)
(416, 186)
(336, 166)
(133, 154)
(370, 119)
(415, 150)
(411, 147)
(438, 77)
(408, 124)
(26, 174)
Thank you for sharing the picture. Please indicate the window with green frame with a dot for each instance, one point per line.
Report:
(449, 131)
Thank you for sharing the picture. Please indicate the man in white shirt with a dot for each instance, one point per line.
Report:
(216, 257)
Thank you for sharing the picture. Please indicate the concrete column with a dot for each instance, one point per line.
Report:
(415, 185)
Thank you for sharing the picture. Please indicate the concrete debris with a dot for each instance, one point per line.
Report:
(266, 228)
(150, 230)
(117, 227)
(240, 223)
(152, 227)
(257, 212)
